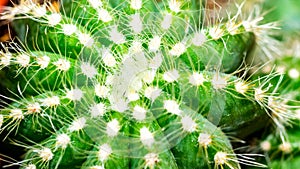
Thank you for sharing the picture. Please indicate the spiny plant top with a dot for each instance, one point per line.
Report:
(133, 84)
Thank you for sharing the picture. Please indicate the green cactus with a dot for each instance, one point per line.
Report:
(135, 84)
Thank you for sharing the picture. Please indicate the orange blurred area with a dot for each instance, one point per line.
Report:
(3, 2)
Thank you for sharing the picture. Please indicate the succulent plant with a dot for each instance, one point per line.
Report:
(137, 84)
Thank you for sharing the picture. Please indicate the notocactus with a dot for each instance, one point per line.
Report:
(134, 84)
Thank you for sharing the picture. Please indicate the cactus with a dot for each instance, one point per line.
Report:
(136, 84)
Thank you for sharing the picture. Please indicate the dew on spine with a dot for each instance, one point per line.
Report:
(5, 59)
(116, 36)
(148, 76)
(136, 4)
(156, 61)
(62, 64)
(137, 84)
(139, 113)
(112, 128)
(146, 137)
(96, 167)
(241, 87)
(43, 61)
(30, 166)
(24, 8)
(104, 15)
(174, 5)
(1, 120)
(51, 101)
(62, 141)
(197, 79)
(109, 79)
(34, 108)
(69, 29)
(136, 23)
(167, 21)
(136, 47)
(85, 39)
(54, 19)
(39, 11)
(223, 158)
(265, 146)
(220, 158)
(154, 44)
(178, 49)
(119, 104)
(218, 82)
(248, 25)
(16, 114)
(95, 3)
(152, 92)
(204, 139)
(45, 154)
(171, 76)
(280, 69)
(232, 28)
(285, 147)
(216, 33)
(77, 124)
(199, 39)
(172, 107)
(23, 60)
(108, 58)
(294, 73)
(259, 94)
(297, 114)
(74, 94)
(104, 152)
(151, 160)
(98, 110)
(88, 70)
(101, 91)
(188, 124)
(132, 95)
